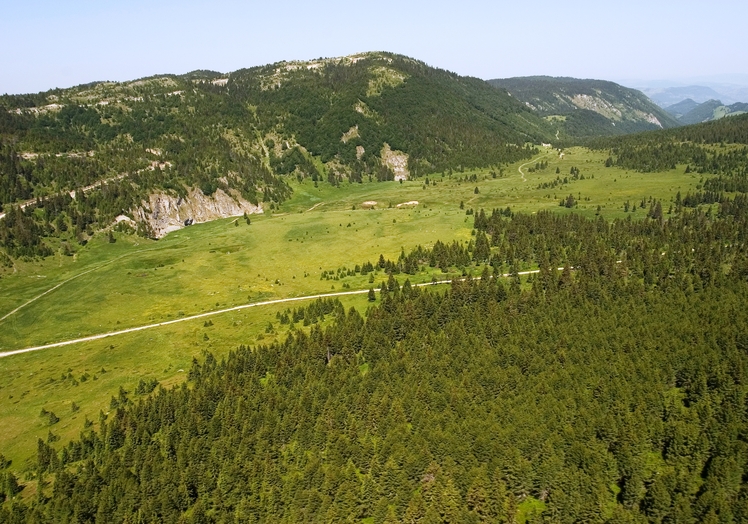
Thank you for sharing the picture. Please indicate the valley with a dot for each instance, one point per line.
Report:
(365, 289)
(227, 263)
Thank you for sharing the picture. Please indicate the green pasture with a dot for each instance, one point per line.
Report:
(89, 374)
(226, 263)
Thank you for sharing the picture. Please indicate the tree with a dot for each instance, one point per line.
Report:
(482, 249)
(372, 295)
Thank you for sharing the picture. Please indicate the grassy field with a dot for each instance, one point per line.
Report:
(108, 287)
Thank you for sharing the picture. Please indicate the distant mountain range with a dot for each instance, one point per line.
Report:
(585, 108)
(689, 111)
(669, 96)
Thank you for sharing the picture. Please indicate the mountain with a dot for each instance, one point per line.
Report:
(682, 107)
(583, 108)
(690, 145)
(672, 95)
(167, 141)
(733, 93)
(701, 113)
(710, 110)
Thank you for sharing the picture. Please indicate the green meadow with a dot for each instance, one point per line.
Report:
(134, 281)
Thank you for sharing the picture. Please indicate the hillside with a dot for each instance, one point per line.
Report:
(681, 108)
(701, 113)
(582, 108)
(612, 390)
(712, 110)
(178, 149)
(717, 147)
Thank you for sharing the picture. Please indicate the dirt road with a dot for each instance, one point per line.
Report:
(217, 312)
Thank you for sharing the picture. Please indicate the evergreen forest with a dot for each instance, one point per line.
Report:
(611, 390)
(566, 358)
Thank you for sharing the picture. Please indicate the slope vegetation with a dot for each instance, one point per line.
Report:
(612, 393)
(584, 108)
(718, 147)
(157, 152)
(711, 110)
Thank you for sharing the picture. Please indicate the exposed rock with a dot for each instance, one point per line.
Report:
(361, 107)
(395, 160)
(652, 119)
(383, 77)
(166, 213)
(351, 133)
(124, 218)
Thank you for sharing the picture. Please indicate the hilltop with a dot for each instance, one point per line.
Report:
(228, 143)
(668, 96)
(173, 149)
(583, 108)
(681, 108)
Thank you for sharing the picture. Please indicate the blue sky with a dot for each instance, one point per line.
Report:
(47, 44)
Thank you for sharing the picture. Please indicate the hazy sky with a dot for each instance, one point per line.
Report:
(47, 44)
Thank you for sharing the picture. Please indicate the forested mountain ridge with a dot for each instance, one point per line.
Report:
(710, 110)
(239, 136)
(681, 108)
(583, 108)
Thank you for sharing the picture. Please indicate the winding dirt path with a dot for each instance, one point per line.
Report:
(217, 312)
(315, 206)
(522, 174)
(79, 275)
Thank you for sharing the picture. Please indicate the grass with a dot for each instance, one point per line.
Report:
(221, 264)
(529, 509)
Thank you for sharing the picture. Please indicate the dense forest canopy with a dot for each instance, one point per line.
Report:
(662, 150)
(610, 391)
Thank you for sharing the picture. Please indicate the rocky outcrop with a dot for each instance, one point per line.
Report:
(164, 213)
(397, 161)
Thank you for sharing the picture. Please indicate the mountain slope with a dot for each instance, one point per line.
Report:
(438, 118)
(717, 147)
(701, 113)
(583, 108)
(682, 107)
(712, 110)
(238, 136)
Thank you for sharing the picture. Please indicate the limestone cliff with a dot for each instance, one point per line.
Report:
(164, 213)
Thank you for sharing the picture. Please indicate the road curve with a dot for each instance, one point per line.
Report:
(522, 173)
(221, 311)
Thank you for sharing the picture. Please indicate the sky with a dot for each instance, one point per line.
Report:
(52, 43)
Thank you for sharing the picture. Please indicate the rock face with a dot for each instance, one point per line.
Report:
(571, 101)
(166, 213)
(397, 161)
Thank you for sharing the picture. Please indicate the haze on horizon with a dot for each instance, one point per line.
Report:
(52, 44)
